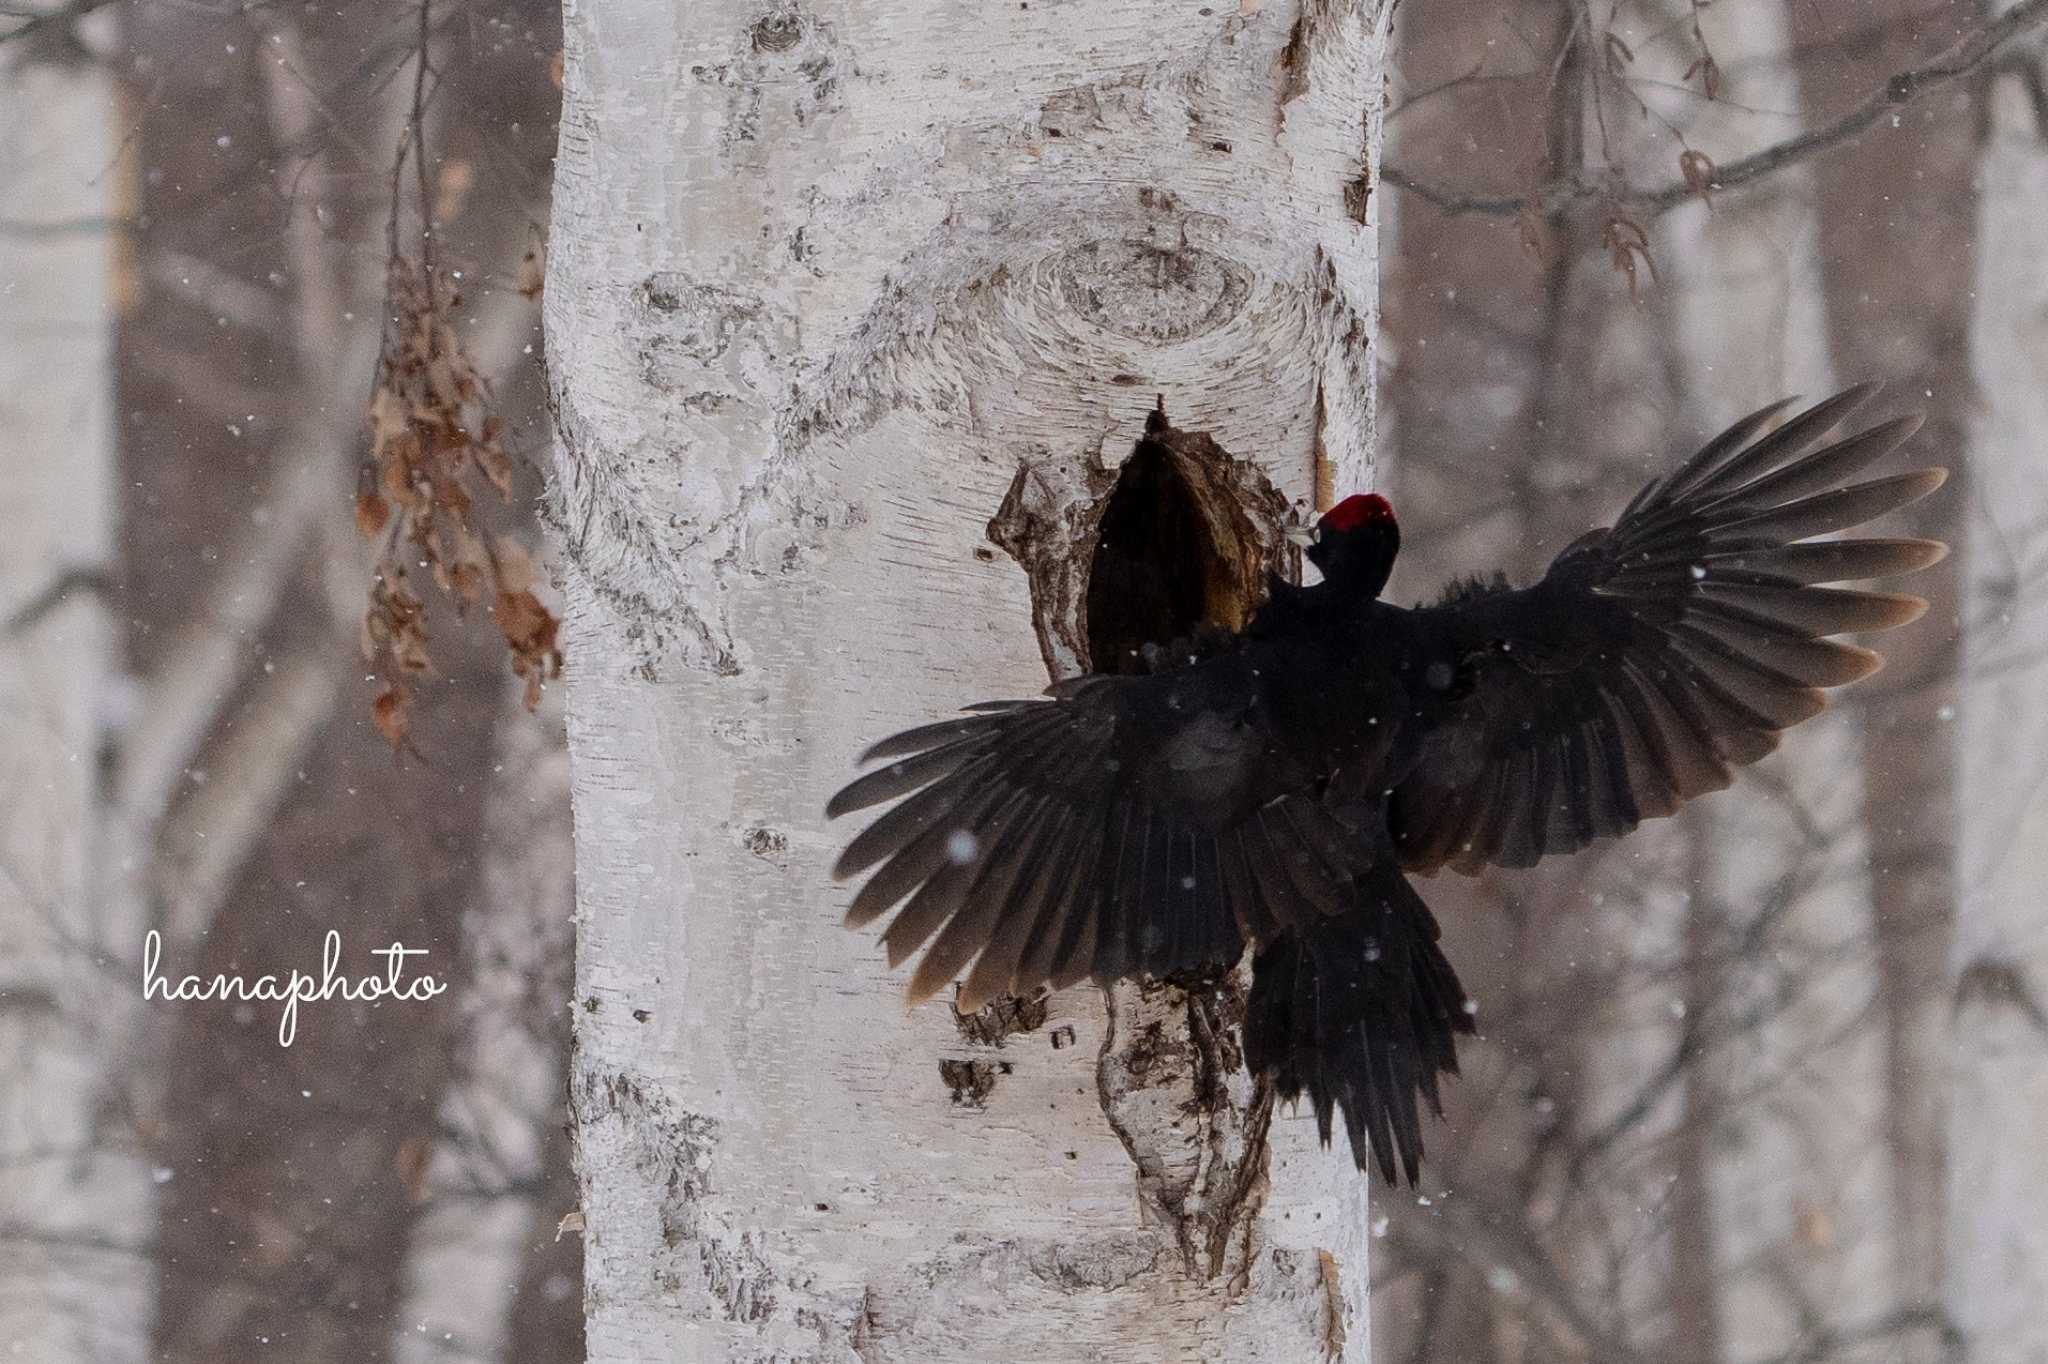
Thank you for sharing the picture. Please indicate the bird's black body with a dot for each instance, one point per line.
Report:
(1275, 786)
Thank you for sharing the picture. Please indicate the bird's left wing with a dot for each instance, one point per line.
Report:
(1655, 657)
(1130, 825)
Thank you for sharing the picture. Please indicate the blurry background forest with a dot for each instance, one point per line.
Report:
(1763, 1084)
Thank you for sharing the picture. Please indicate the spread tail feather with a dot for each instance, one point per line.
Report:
(1361, 1011)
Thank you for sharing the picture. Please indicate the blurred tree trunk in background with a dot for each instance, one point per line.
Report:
(828, 288)
(1526, 388)
(75, 1199)
(270, 807)
(1713, 1153)
(186, 714)
(1997, 1184)
(489, 1210)
(303, 1187)
(1896, 234)
(1795, 1183)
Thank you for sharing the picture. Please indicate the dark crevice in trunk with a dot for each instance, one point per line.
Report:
(1157, 571)
(1180, 536)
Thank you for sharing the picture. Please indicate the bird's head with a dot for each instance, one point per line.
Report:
(1354, 544)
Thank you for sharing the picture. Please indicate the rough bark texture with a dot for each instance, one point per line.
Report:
(1997, 1245)
(829, 283)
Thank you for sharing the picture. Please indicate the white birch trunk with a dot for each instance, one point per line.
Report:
(1997, 1254)
(75, 1205)
(824, 280)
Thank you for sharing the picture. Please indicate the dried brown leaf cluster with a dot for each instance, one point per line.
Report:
(435, 447)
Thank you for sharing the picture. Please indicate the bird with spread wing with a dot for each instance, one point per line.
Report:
(1273, 788)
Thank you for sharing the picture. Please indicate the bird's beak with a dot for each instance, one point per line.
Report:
(1304, 536)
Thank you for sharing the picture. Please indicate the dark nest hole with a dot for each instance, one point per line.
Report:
(1180, 536)
(1174, 547)
(1157, 571)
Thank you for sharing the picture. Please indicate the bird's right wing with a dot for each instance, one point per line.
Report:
(1655, 657)
(1130, 825)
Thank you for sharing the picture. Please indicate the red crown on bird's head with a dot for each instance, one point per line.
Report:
(1360, 509)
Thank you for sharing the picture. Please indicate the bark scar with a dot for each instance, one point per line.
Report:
(1170, 1074)
(1171, 1080)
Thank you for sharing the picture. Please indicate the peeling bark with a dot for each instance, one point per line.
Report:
(1174, 1087)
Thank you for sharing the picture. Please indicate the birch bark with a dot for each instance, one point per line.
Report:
(828, 283)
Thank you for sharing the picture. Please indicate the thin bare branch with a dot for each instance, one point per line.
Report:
(1562, 196)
